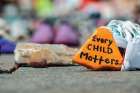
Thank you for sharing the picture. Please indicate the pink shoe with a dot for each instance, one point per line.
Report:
(43, 34)
(65, 34)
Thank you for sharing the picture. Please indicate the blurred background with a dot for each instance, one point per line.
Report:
(68, 22)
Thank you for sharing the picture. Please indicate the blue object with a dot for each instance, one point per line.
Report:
(6, 46)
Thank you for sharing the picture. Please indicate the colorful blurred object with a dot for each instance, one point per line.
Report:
(124, 31)
(20, 19)
(65, 34)
(6, 46)
(43, 34)
(43, 7)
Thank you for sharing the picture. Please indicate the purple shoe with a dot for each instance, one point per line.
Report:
(43, 34)
(65, 34)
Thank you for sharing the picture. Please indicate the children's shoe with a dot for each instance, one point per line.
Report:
(65, 34)
(124, 31)
(132, 55)
(116, 27)
(19, 29)
(43, 34)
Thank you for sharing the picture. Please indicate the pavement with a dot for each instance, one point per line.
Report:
(70, 79)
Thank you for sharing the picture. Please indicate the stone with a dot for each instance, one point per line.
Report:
(100, 52)
(51, 54)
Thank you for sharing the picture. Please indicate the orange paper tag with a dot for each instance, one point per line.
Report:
(100, 52)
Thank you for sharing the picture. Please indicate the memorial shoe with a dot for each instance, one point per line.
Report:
(123, 32)
(132, 56)
(43, 35)
(66, 34)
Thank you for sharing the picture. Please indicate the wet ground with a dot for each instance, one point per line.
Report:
(72, 79)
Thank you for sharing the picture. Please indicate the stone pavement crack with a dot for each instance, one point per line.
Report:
(3, 71)
(11, 70)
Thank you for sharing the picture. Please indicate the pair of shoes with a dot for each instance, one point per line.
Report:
(6, 46)
(59, 34)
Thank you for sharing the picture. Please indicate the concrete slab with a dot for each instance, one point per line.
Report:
(73, 79)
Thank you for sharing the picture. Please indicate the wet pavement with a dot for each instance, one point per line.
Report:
(71, 79)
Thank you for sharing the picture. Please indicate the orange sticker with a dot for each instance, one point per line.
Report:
(100, 52)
